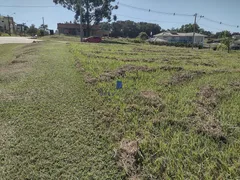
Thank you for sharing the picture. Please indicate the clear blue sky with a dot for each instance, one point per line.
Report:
(227, 11)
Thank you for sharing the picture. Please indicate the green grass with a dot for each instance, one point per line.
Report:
(61, 38)
(56, 126)
(177, 140)
(48, 127)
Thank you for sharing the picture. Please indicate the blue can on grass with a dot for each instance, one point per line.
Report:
(119, 85)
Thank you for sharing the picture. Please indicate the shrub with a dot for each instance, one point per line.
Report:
(221, 47)
(40, 33)
(143, 36)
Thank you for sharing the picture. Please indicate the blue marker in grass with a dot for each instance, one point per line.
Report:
(119, 85)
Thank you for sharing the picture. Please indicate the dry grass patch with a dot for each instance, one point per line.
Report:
(129, 157)
(120, 72)
(171, 68)
(205, 120)
(235, 85)
(183, 77)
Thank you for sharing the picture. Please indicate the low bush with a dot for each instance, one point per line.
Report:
(143, 36)
(221, 47)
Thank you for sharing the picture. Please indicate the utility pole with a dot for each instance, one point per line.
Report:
(24, 28)
(81, 24)
(9, 28)
(194, 29)
(43, 26)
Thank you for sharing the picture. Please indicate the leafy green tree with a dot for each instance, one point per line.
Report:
(32, 30)
(43, 26)
(226, 40)
(93, 11)
(105, 26)
(187, 28)
(132, 29)
(43, 30)
(207, 33)
(148, 28)
(223, 34)
(117, 29)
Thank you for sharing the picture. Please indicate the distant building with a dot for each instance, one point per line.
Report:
(236, 37)
(7, 24)
(74, 29)
(175, 37)
(236, 43)
(20, 27)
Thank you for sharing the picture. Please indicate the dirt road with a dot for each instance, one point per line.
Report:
(10, 40)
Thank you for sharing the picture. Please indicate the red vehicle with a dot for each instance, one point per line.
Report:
(93, 39)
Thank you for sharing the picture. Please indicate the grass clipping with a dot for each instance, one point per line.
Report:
(204, 120)
(129, 157)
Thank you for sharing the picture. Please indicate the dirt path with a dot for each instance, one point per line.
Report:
(48, 129)
(17, 40)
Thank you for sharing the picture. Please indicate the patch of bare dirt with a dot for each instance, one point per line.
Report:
(128, 156)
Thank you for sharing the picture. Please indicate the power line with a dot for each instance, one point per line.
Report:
(176, 14)
(220, 22)
(21, 6)
(154, 11)
(137, 8)
(149, 20)
(203, 25)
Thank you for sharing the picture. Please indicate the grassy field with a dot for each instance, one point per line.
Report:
(61, 38)
(176, 117)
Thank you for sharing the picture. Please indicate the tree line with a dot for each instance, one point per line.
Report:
(132, 29)
(129, 28)
(41, 31)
